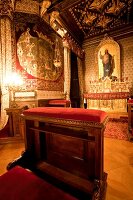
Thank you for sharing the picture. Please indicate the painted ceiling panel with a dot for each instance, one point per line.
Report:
(87, 18)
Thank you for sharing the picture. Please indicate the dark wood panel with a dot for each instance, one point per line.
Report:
(66, 152)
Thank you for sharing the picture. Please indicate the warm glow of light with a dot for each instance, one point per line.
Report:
(13, 79)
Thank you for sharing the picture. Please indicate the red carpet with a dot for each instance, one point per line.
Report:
(117, 129)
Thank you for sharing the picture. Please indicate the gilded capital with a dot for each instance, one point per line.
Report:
(6, 8)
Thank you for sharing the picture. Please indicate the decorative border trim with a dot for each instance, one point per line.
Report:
(70, 122)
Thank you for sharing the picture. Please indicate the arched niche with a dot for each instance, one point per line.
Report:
(114, 49)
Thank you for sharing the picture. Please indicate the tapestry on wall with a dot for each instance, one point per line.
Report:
(36, 55)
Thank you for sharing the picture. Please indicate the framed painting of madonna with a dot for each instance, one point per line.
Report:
(107, 57)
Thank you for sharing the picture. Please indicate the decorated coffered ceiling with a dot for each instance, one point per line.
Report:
(84, 19)
(88, 18)
(94, 17)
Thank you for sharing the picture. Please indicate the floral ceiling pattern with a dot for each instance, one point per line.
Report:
(95, 17)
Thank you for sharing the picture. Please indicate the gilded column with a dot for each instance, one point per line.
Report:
(67, 69)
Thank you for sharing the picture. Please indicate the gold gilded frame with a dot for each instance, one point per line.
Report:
(114, 49)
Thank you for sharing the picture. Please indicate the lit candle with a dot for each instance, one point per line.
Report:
(85, 101)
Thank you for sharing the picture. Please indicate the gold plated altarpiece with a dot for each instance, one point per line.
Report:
(108, 95)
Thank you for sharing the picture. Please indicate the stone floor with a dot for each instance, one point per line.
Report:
(118, 163)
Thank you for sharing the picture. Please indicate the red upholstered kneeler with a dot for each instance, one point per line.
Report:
(79, 114)
(20, 184)
(130, 101)
(66, 146)
(59, 103)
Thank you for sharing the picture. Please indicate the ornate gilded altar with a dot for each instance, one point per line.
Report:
(108, 95)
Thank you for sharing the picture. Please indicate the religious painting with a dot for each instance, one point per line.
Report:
(36, 56)
(108, 59)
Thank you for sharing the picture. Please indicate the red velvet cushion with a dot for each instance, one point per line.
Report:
(130, 101)
(20, 184)
(68, 113)
(58, 101)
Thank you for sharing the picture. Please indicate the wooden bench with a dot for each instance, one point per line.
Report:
(66, 146)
